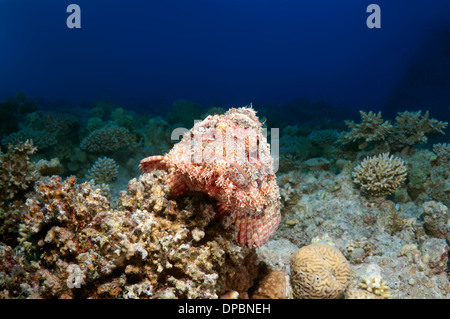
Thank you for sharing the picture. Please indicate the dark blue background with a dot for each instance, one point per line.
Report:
(230, 52)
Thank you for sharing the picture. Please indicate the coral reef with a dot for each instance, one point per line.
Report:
(371, 129)
(107, 139)
(380, 175)
(322, 137)
(436, 219)
(48, 168)
(274, 285)
(374, 283)
(16, 170)
(411, 128)
(184, 112)
(76, 245)
(442, 151)
(104, 171)
(227, 157)
(13, 110)
(46, 129)
(41, 139)
(319, 271)
(172, 234)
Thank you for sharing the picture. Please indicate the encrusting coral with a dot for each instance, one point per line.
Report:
(319, 271)
(380, 175)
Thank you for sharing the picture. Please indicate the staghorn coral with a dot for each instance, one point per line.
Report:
(17, 172)
(380, 175)
(107, 139)
(411, 128)
(371, 129)
(104, 171)
(319, 271)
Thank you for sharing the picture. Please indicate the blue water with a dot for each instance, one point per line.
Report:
(147, 54)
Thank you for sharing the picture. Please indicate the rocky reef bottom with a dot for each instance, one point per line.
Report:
(76, 241)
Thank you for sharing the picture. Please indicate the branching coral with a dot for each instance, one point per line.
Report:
(107, 139)
(46, 129)
(41, 139)
(411, 128)
(319, 271)
(380, 175)
(104, 171)
(371, 129)
(442, 151)
(376, 285)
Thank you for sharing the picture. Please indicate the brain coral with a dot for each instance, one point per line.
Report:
(380, 175)
(319, 271)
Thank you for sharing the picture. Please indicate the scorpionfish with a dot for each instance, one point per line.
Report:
(227, 157)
